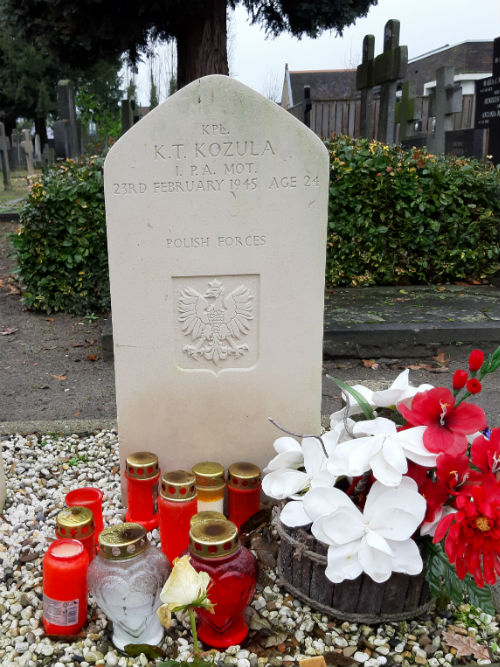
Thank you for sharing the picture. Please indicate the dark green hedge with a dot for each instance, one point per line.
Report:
(402, 217)
(61, 245)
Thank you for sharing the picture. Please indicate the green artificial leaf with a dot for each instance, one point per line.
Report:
(168, 663)
(151, 652)
(360, 400)
(479, 597)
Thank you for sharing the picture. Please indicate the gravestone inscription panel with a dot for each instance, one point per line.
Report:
(216, 208)
(488, 105)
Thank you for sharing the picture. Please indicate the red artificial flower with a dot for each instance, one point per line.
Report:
(452, 471)
(474, 386)
(459, 379)
(485, 454)
(473, 539)
(476, 359)
(447, 425)
(435, 492)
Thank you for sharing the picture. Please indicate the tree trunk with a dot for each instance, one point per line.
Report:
(201, 44)
(41, 130)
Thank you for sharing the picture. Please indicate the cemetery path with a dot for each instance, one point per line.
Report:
(54, 378)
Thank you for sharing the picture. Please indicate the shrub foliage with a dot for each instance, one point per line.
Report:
(61, 244)
(400, 216)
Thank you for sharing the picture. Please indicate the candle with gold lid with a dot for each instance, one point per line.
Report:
(243, 491)
(215, 548)
(142, 473)
(206, 515)
(177, 504)
(77, 523)
(126, 579)
(210, 486)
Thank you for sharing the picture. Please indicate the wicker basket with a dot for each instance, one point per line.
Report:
(301, 566)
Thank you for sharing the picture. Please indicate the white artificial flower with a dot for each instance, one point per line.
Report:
(377, 541)
(382, 449)
(283, 483)
(353, 408)
(288, 454)
(400, 391)
(185, 587)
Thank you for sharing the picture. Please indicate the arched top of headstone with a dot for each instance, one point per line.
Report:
(209, 105)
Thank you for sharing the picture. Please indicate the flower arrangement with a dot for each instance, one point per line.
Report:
(401, 471)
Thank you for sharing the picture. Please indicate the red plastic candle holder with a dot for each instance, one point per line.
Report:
(214, 547)
(177, 503)
(65, 567)
(243, 492)
(78, 523)
(142, 474)
(91, 497)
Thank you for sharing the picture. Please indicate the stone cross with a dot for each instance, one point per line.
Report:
(388, 68)
(444, 102)
(405, 113)
(364, 82)
(4, 157)
(207, 199)
(27, 149)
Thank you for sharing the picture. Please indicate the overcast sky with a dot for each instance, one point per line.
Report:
(425, 25)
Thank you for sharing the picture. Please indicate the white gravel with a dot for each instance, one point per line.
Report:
(41, 470)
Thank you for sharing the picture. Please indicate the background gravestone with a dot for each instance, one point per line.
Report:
(4, 157)
(488, 105)
(466, 143)
(445, 101)
(67, 130)
(364, 83)
(216, 212)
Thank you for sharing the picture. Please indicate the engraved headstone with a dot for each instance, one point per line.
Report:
(467, 143)
(488, 105)
(4, 157)
(216, 210)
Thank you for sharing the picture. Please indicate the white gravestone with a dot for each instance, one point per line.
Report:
(216, 209)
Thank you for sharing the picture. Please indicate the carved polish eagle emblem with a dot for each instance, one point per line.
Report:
(215, 321)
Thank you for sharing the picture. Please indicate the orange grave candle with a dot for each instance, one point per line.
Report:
(243, 492)
(142, 474)
(65, 587)
(77, 523)
(177, 504)
(210, 486)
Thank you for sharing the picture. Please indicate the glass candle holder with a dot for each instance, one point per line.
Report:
(215, 548)
(77, 523)
(142, 474)
(91, 497)
(65, 567)
(210, 486)
(177, 504)
(126, 579)
(243, 491)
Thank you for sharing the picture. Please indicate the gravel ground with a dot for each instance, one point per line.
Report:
(40, 471)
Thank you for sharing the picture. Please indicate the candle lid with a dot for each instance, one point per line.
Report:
(209, 473)
(206, 515)
(76, 522)
(125, 540)
(178, 485)
(214, 538)
(142, 465)
(243, 475)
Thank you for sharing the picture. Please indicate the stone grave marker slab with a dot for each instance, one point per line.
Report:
(470, 142)
(216, 208)
(488, 105)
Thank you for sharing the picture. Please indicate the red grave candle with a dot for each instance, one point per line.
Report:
(88, 496)
(142, 474)
(77, 523)
(243, 492)
(177, 503)
(215, 548)
(65, 587)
